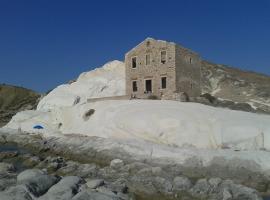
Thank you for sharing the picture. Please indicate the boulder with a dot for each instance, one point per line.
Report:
(37, 181)
(19, 192)
(95, 183)
(65, 189)
(116, 164)
(92, 195)
(181, 184)
(6, 168)
(87, 170)
(201, 189)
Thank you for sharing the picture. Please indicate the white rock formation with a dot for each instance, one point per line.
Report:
(109, 80)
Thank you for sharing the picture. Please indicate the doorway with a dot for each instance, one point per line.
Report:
(148, 86)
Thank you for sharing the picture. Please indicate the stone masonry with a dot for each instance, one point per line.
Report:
(162, 69)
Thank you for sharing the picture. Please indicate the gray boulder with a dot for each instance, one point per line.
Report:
(37, 181)
(95, 183)
(181, 184)
(6, 168)
(65, 189)
(201, 188)
(92, 195)
(19, 192)
(163, 185)
(116, 164)
(87, 170)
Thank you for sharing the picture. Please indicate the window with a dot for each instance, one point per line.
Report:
(163, 57)
(163, 82)
(134, 86)
(147, 59)
(148, 86)
(190, 60)
(134, 62)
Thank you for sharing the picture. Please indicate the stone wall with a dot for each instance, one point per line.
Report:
(188, 71)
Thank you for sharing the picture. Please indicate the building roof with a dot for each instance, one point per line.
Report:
(152, 39)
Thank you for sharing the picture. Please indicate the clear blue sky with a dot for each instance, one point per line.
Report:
(44, 43)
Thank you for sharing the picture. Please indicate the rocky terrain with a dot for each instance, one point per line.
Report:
(27, 176)
(64, 160)
(236, 85)
(14, 99)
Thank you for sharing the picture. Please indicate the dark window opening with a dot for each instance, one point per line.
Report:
(147, 59)
(148, 86)
(190, 60)
(134, 62)
(163, 57)
(134, 86)
(163, 82)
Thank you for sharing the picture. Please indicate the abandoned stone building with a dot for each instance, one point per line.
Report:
(162, 69)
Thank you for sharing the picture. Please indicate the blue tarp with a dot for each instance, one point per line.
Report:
(38, 127)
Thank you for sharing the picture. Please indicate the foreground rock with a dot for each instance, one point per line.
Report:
(37, 182)
(55, 177)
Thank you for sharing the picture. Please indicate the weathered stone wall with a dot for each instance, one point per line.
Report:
(154, 71)
(188, 71)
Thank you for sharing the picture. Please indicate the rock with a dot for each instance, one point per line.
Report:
(119, 186)
(65, 189)
(214, 183)
(201, 188)
(156, 171)
(92, 195)
(87, 170)
(142, 185)
(241, 192)
(181, 184)
(6, 168)
(7, 182)
(37, 181)
(52, 163)
(106, 190)
(145, 171)
(31, 161)
(135, 167)
(19, 192)
(70, 167)
(226, 195)
(8, 154)
(116, 164)
(163, 185)
(93, 184)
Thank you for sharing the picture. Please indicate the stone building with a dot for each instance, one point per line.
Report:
(162, 69)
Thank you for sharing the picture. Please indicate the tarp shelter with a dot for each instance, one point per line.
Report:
(38, 127)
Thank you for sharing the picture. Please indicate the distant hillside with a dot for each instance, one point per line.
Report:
(14, 99)
(236, 85)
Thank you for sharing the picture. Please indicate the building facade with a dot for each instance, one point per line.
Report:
(162, 69)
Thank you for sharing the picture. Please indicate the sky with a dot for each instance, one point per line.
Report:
(44, 43)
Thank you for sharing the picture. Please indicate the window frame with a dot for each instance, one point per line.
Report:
(146, 59)
(134, 57)
(162, 82)
(136, 84)
(165, 56)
